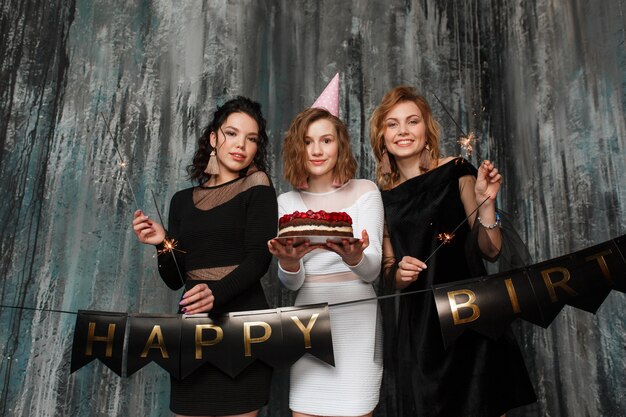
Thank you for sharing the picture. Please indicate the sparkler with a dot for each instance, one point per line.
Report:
(445, 241)
(467, 141)
(445, 237)
(121, 163)
(169, 245)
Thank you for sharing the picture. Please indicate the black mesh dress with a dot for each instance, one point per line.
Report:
(476, 376)
(224, 232)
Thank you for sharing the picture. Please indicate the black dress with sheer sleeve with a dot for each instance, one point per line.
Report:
(222, 235)
(476, 376)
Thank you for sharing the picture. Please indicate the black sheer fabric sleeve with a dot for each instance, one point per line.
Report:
(170, 269)
(389, 265)
(387, 313)
(261, 225)
(513, 252)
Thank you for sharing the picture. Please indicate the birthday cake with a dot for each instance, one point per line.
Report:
(315, 223)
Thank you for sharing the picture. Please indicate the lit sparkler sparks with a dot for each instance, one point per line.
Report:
(169, 245)
(121, 164)
(445, 237)
(467, 143)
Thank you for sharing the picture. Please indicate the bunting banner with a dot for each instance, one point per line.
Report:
(180, 344)
(536, 293)
(279, 337)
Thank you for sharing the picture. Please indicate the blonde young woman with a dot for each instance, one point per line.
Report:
(319, 164)
(424, 196)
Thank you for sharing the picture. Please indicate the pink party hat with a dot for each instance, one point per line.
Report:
(329, 99)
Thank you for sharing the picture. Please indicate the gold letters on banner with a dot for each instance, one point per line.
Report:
(546, 274)
(468, 304)
(219, 335)
(512, 295)
(562, 284)
(156, 332)
(247, 340)
(91, 337)
(602, 263)
(180, 344)
(306, 331)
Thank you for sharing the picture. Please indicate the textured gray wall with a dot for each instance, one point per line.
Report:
(543, 85)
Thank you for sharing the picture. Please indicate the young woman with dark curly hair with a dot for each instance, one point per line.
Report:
(223, 225)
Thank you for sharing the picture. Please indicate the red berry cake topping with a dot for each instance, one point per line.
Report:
(316, 215)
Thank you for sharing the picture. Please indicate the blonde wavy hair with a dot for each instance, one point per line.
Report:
(295, 154)
(429, 159)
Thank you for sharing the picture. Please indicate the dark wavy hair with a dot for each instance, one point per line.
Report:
(238, 104)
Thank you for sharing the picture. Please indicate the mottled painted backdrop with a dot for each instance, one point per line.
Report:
(542, 83)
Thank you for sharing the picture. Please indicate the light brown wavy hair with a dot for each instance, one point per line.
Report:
(295, 154)
(430, 158)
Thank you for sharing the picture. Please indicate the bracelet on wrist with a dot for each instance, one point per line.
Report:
(490, 226)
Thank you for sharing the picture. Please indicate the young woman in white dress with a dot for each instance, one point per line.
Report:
(318, 162)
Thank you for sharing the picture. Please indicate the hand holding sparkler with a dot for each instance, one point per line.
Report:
(487, 185)
(488, 182)
(146, 230)
(408, 271)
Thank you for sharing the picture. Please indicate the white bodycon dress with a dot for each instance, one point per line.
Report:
(351, 387)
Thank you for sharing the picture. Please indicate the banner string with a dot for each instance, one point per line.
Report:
(380, 297)
(38, 309)
(361, 300)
